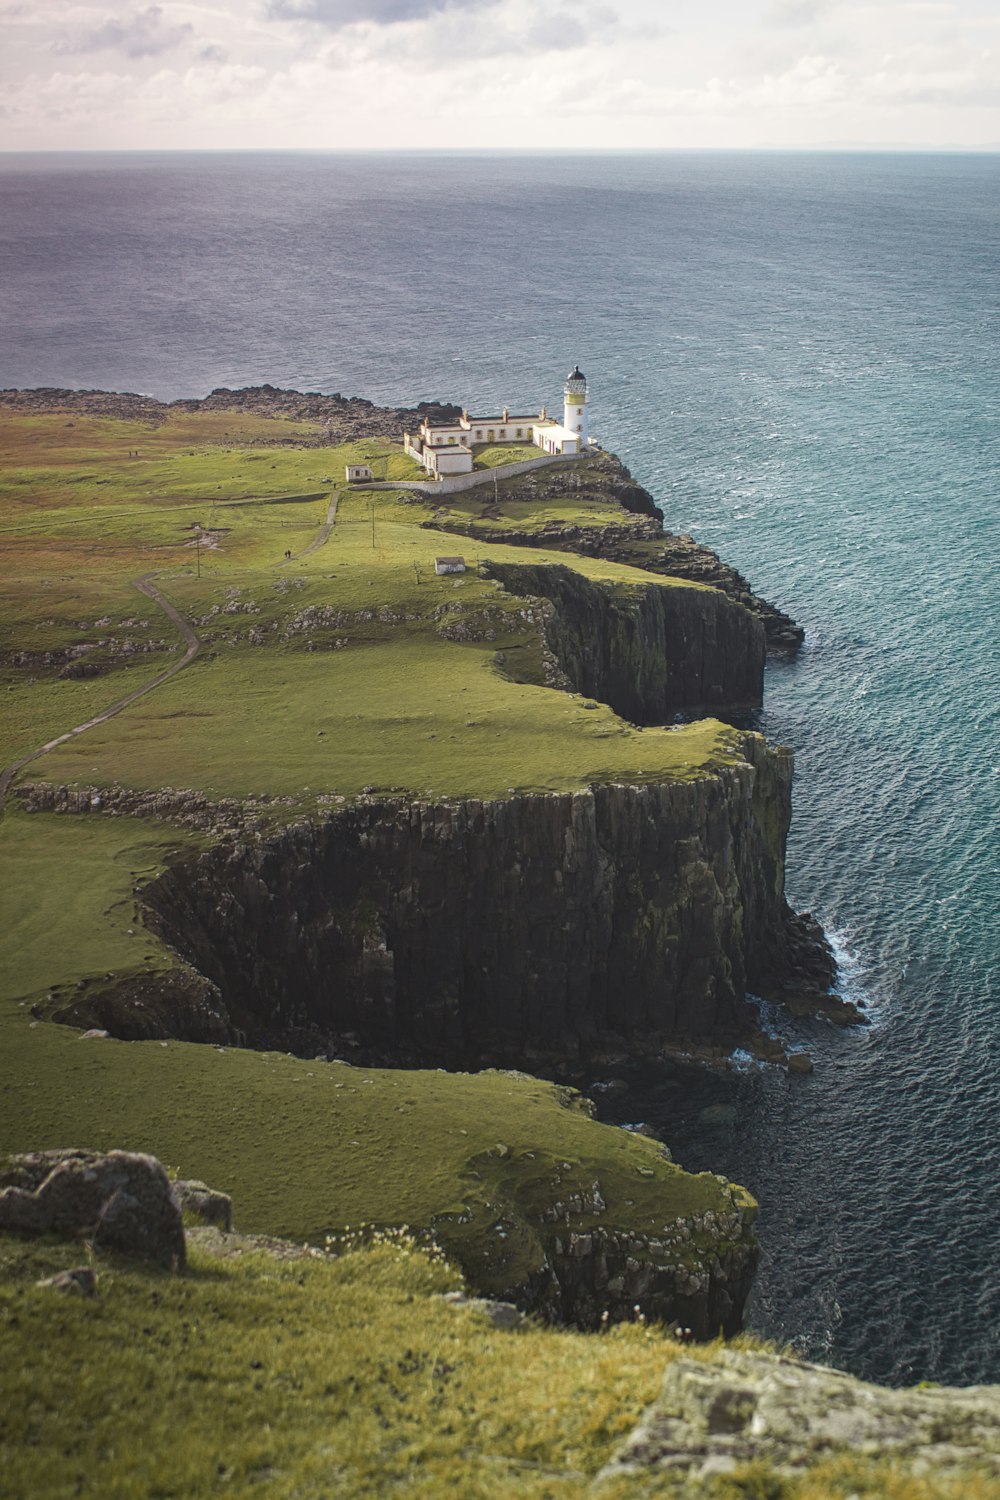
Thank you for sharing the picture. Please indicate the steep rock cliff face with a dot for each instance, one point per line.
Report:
(648, 652)
(507, 929)
(696, 1273)
(636, 538)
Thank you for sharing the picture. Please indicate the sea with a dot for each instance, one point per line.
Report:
(799, 356)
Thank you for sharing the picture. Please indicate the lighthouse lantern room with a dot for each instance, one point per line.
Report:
(575, 404)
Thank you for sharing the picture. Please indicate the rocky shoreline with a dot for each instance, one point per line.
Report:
(344, 418)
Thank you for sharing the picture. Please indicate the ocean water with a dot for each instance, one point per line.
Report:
(798, 355)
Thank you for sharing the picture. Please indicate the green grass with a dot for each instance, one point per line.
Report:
(495, 456)
(74, 876)
(303, 1378)
(383, 698)
(312, 1378)
(422, 716)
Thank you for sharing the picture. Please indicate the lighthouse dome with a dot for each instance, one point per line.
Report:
(577, 374)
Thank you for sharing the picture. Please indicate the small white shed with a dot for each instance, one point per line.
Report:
(359, 473)
(449, 565)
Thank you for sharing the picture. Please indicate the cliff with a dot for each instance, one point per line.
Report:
(407, 848)
(649, 652)
(476, 930)
(618, 520)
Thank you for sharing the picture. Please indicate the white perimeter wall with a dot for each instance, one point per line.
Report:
(455, 482)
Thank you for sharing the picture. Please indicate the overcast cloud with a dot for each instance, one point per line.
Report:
(146, 33)
(499, 73)
(338, 13)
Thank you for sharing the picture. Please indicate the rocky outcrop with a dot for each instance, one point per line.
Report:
(696, 1275)
(119, 1200)
(204, 1203)
(506, 930)
(137, 1006)
(343, 418)
(650, 652)
(742, 1407)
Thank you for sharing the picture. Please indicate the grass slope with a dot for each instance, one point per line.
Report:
(313, 1378)
(309, 1149)
(305, 1378)
(354, 665)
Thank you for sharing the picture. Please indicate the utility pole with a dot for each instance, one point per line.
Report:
(197, 549)
(373, 525)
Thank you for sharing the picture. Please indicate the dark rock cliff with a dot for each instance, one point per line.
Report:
(634, 535)
(649, 652)
(534, 926)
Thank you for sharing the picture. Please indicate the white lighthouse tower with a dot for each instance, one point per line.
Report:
(575, 405)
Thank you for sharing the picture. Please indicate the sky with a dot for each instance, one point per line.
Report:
(499, 74)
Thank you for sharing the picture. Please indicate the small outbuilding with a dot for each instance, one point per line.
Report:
(359, 473)
(449, 565)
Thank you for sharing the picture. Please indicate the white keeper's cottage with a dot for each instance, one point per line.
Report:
(447, 447)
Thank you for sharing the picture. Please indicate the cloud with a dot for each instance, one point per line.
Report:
(337, 14)
(556, 33)
(145, 33)
(796, 12)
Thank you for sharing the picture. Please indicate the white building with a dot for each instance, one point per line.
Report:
(447, 447)
(449, 565)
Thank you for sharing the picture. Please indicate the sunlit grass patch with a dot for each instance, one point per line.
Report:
(348, 1377)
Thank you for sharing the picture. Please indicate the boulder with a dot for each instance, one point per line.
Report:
(81, 1281)
(744, 1407)
(119, 1200)
(502, 1315)
(204, 1203)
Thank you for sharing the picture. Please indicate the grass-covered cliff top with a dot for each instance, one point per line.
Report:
(349, 664)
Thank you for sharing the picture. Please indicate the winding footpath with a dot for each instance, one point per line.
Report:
(145, 586)
(322, 536)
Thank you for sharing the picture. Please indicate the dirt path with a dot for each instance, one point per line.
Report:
(322, 536)
(145, 586)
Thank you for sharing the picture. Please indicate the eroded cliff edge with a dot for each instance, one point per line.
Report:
(529, 512)
(650, 653)
(528, 928)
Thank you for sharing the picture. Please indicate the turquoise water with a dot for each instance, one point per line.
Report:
(798, 355)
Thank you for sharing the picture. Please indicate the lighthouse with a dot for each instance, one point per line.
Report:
(575, 405)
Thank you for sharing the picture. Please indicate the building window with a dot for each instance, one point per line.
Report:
(479, 437)
(519, 432)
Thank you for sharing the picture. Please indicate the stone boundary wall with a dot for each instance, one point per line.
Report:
(456, 482)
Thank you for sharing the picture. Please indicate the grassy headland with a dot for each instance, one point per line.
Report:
(354, 665)
(340, 667)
